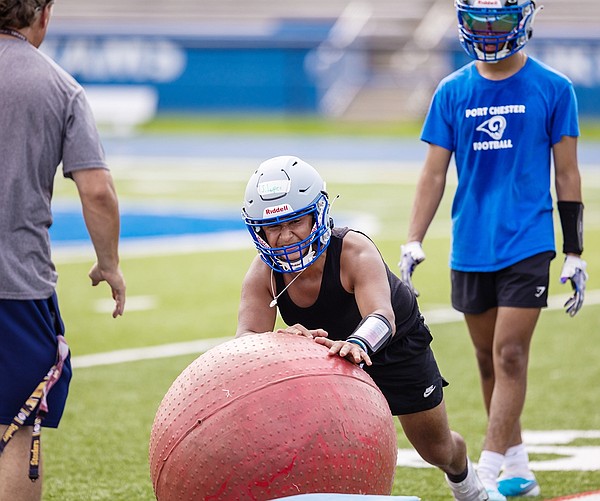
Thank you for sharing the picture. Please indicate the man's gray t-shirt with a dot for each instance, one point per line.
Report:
(44, 119)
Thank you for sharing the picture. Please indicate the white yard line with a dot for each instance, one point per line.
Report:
(146, 353)
(433, 317)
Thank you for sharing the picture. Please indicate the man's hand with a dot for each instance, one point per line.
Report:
(574, 270)
(116, 281)
(411, 255)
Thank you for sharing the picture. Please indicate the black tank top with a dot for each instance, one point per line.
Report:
(336, 311)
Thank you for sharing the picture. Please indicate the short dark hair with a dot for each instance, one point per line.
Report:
(19, 14)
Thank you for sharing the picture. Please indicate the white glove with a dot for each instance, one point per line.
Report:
(574, 270)
(411, 255)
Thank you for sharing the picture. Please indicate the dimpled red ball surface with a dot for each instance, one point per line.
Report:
(267, 416)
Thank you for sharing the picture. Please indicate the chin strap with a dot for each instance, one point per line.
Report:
(290, 266)
(533, 16)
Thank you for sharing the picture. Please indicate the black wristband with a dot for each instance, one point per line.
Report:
(571, 221)
(373, 331)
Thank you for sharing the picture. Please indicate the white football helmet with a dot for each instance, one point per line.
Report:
(283, 189)
(491, 30)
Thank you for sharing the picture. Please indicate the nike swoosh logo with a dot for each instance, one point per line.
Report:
(525, 485)
(428, 391)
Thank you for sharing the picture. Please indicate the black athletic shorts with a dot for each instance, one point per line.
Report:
(521, 285)
(410, 379)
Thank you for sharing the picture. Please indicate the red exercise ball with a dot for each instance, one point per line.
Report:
(267, 416)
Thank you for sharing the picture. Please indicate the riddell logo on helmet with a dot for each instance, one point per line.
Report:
(487, 3)
(280, 209)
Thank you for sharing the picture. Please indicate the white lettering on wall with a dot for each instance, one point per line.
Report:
(118, 58)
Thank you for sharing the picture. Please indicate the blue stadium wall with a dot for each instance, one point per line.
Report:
(204, 70)
(197, 72)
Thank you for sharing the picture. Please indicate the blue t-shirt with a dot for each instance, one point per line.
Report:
(501, 133)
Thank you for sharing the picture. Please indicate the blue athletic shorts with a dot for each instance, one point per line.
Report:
(28, 346)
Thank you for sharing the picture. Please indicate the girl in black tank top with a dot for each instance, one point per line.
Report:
(336, 310)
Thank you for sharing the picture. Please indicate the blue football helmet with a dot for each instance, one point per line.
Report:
(283, 189)
(492, 30)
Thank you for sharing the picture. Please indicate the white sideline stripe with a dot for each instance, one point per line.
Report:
(433, 317)
(146, 353)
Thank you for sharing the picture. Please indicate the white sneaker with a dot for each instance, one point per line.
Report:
(471, 488)
(495, 495)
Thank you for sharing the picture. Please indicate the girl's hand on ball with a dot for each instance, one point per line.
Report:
(350, 351)
(300, 330)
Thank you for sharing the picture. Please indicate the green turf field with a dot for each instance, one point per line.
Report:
(101, 450)
(281, 124)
